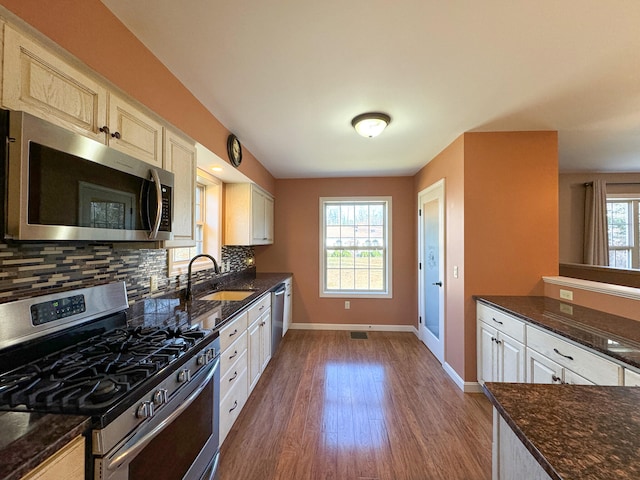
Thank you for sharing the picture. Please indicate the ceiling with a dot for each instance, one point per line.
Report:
(287, 77)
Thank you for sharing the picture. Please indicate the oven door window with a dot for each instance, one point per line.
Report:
(170, 454)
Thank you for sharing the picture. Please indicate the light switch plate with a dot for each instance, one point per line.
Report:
(566, 294)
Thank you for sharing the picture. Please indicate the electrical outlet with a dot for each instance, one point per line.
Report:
(153, 283)
(347, 304)
(566, 294)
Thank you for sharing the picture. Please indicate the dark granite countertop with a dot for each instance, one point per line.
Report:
(27, 439)
(575, 432)
(172, 310)
(617, 337)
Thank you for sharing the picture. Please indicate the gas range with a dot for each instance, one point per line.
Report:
(73, 353)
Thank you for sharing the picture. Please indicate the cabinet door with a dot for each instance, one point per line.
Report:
(254, 348)
(573, 378)
(133, 132)
(43, 84)
(541, 369)
(511, 359)
(487, 353)
(180, 158)
(268, 219)
(258, 218)
(265, 350)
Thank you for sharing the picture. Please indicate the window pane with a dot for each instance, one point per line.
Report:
(620, 258)
(355, 240)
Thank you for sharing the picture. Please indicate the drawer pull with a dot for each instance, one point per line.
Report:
(235, 405)
(261, 308)
(556, 379)
(235, 353)
(565, 356)
(235, 374)
(497, 321)
(235, 330)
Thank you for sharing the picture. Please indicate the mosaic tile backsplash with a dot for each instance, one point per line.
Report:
(30, 269)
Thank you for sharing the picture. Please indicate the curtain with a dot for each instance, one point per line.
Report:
(596, 243)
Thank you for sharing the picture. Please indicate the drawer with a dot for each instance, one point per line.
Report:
(501, 321)
(577, 359)
(233, 353)
(232, 375)
(261, 306)
(232, 331)
(631, 378)
(231, 405)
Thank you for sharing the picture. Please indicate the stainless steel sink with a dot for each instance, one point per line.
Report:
(228, 295)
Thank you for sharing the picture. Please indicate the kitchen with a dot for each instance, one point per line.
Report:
(464, 159)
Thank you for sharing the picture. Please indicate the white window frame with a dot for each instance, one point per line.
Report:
(634, 221)
(211, 222)
(388, 264)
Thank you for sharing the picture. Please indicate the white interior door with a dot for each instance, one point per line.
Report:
(431, 268)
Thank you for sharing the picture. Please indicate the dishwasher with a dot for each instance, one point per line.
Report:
(277, 316)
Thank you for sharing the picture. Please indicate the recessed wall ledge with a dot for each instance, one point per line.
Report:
(597, 287)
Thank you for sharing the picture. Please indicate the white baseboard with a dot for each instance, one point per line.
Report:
(466, 387)
(354, 327)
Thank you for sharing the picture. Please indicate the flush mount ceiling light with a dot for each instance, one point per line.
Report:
(371, 124)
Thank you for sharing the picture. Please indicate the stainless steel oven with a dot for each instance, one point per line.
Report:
(180, 440)
(151, 386)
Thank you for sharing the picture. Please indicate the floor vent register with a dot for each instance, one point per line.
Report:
(359, 335)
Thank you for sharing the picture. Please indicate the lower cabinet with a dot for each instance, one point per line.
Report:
(246, 349)
(511, 351)
(631, 378)
(67, 463)
(259, 347)
(511, 459)
(502, 357)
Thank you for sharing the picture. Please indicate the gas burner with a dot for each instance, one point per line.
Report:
(104, 390)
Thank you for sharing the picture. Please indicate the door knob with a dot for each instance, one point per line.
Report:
(437, 283)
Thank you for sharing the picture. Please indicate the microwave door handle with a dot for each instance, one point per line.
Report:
(137, 444)
(156, 225)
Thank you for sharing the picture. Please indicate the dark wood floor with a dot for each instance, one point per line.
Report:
(331, 407)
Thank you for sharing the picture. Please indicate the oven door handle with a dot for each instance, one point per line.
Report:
(137, 443)
(156, 225)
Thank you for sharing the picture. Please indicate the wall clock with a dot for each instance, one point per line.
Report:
(234, 150)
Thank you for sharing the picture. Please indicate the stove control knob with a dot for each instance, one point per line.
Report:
(202, 359)
(184, 375)
(160, 397)
(145, 410)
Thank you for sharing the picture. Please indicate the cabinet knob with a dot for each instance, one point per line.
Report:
(105, 129)
(116, 135)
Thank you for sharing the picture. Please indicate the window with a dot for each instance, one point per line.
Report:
(623, 222)
(207, 229)
(355, 251)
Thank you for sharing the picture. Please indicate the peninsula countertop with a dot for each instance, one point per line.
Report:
(577, 432)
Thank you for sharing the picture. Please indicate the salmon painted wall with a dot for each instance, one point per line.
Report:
(511, 219)
(449, 164)
(90, 32)
(296, 249)
(624, 307)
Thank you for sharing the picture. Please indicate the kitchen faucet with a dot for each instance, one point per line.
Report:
(216, 269)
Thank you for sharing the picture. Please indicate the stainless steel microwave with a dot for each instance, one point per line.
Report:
(63, 186)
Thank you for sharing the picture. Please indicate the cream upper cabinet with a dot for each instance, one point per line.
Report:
(131, 131)
(38, 81)
(249, 215)
(180, 158)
